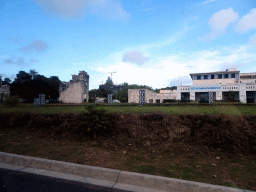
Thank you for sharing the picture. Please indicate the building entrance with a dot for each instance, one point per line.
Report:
(185, 96)
(251, 96)
(230, 96)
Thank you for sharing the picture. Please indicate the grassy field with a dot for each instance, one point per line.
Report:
(175, 109)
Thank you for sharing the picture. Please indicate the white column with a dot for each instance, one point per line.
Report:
(219, 95)
(242, 93)
(178, 96)
(192, 96)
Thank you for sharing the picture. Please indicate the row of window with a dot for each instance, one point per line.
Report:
(250, 87)
(230, 88)
(219, 76)
(184, 89)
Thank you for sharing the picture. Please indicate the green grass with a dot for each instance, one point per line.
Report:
(175, 109)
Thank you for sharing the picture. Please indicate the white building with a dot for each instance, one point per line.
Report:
(221, 85)
(150, 96)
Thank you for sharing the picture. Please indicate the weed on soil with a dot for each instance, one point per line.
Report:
(216, 149)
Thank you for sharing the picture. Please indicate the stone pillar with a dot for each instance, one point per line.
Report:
(242, 93)
(178, 96)
(192, 96)
(219, 95)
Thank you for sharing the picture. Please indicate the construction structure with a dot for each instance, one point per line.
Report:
(76, 90)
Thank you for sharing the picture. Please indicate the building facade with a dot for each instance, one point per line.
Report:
(207, 87)
(220, 85)
(150, 96)
(76, 90)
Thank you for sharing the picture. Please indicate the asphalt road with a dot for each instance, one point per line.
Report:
(17, 181)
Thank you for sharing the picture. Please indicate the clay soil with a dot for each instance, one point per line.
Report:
(216, 149)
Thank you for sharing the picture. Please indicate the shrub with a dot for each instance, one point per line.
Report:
(11, 101)
(94, 121)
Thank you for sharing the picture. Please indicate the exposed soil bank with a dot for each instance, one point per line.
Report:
(229, 133)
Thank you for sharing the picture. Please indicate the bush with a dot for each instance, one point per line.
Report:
(94, 121)
(11, 101)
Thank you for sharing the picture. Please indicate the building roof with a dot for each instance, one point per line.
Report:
(216, 72)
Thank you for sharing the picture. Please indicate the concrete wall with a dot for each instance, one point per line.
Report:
(213, 81)
(242, 93)
(247, 81)
(73, 94)
(133, 95)
(76, 90)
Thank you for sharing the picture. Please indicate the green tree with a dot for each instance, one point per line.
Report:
(7, 81)
(94, 120)
(29, 88)
(22, 77)
(33, 73)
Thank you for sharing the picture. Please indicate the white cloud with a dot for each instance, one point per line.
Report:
(219, 21)
(209, 1)
(175, 70)
(79, 8)
(247, 22)
(135, 57)
(222, 19)
(182, 80)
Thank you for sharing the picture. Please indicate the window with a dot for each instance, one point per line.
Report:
(225, 76)
(150, 100)
(205, 76)
(220, 76)
(233, 75)
(157, 100)
(198, 77)
(212, 76)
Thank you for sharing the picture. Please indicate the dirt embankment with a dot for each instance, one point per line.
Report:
(231, 133)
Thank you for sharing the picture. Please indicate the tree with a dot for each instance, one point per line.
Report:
(29, 88)
(6, 81)
(22, 77)
(93, 94)
(0, 79)
(109, 82)
(55, 83)
(33, 73)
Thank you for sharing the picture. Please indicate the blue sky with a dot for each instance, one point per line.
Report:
(146, 42)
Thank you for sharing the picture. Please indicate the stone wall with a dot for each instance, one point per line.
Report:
(76, 90)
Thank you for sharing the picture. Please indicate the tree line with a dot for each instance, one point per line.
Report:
(121, 94)
(29, 85)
